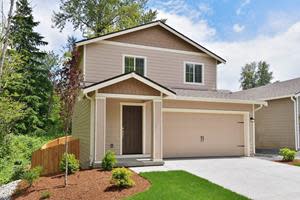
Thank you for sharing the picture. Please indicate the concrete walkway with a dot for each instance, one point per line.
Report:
(251, 177)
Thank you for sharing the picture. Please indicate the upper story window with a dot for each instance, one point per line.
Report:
(134, 63)
(193, 73)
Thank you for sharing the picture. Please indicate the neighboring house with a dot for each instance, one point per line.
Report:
(151, 91)
(277, 125)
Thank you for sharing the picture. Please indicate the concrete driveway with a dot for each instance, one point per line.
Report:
(251, 177)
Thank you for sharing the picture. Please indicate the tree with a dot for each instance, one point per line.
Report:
(30, 82)
(5, 34)
(248, 76)
(68, 87)
(263, 75)
(255, 75)
(94, 18)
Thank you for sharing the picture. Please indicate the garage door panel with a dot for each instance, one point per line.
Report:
(196, 135)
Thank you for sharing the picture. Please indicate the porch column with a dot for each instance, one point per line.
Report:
(100, 127)
(157, 130)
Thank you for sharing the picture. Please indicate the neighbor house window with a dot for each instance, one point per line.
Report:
(136, 64)
(193, 72)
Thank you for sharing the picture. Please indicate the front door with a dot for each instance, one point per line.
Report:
(132, 130)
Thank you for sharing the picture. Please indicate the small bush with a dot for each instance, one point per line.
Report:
(288, 154)
(31, 175)
(18, 171)
(45, 195)
(121, 177)
(109, 161)
(73, 163)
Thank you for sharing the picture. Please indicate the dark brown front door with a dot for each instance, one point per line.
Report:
(132, 118)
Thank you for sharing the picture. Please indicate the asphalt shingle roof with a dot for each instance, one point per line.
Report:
(273, 90)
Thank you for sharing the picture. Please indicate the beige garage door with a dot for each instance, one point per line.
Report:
(200, 135)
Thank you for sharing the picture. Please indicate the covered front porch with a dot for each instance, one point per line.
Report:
(127, 119)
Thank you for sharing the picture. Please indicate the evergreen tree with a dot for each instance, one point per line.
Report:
(248, 79)
(31, 85)
(263, 76)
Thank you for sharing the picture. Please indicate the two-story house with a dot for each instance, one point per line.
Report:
(151, 92)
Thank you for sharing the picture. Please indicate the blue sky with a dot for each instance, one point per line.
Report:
(251, 17)
(240, 31)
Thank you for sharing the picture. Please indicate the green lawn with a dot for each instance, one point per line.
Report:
(182, 185)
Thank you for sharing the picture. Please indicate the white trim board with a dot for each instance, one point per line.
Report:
(159, 23)
(143, 105)
(218, 100)
(125, 77)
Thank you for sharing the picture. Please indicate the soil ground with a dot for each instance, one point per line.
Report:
(86, 184)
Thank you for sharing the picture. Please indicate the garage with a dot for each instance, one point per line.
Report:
(202, 134)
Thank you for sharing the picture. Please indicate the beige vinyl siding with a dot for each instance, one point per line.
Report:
(157, 37)
(275, 125)
(130, 86)
(104, 61)
(81, 129)
(113, 125)
(215, 106)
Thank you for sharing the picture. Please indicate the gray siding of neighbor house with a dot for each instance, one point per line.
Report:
(81, 129)
(275, 125)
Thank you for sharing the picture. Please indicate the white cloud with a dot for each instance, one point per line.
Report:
(238, 28)
(198, 30)
(280, 51)
(243, 4)
(42, 12)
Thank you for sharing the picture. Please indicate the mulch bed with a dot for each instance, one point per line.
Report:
(86, 184)
(295, 162)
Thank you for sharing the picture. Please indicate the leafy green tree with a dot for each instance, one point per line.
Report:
(263, 75)
(94, 18)
(29, 83)
(255, 75)
(248, 76)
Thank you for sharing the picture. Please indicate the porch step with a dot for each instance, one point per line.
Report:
(133, 162)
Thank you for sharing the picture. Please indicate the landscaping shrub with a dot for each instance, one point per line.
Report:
(121, 177)
(288, 154)
(73, 163)
(18, 170)
(45, 195)
(17, 150)
(33, 174)
(109, 161)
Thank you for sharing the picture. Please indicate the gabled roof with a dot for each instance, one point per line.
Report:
(123, 77)
(148, 25)
(276, 90)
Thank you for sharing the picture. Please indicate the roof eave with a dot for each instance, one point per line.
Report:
(220, 100)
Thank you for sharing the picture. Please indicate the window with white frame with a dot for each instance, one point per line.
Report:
(136, 64)
(193, 73)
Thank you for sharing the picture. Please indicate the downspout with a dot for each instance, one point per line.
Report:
(295, 121)
(92, 131)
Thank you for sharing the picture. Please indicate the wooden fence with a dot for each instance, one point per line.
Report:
(50, 155)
